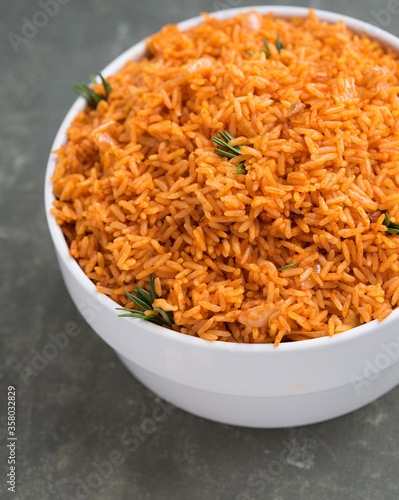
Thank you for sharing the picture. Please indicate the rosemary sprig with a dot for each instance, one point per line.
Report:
(279, 43)
(88, 93)
(393, 227)
(232, 152)
(287, 266)
(267, 50)
(145, 300)
(241, 169)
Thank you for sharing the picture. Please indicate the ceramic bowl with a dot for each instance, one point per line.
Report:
(250, 385)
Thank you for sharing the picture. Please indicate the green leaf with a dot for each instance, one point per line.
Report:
(225, 144)
(129, 295)
(106, 85)
(89, 94)
(131, 313)
(144, 295)
(142, 304)
(233, 150)
(279, 43)
(241, 169)
(266, 44)
(144, 300)
(157, 320)
(138, 301)
(392, 227)
(267, 51)
(224, 136)
(287, 266)
(229, 136)
(127, 309)
(152, 288)
(164, 315)
(220, 152)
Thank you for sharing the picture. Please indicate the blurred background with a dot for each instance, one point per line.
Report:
(86, 428)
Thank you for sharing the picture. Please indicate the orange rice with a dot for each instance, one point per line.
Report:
(140, 190)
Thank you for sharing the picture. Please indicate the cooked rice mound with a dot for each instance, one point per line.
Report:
(140, 190)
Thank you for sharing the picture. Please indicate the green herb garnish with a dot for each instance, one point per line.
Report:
(232, 152)
(241, 168)
(279, 43)
(393, 227)
(88, 93)
(288, 266)
(144, 300)
(249, 52)
(267, 51)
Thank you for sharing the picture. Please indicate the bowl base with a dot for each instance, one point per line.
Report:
(260, 412)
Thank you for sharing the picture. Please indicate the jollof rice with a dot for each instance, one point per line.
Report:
(140, 190)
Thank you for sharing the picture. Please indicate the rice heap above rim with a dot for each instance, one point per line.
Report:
(140, 189)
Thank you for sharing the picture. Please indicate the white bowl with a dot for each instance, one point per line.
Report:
(251, 385)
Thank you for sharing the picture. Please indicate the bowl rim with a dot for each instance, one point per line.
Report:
(59, 241)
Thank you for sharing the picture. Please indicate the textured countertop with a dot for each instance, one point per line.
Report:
(73, 410)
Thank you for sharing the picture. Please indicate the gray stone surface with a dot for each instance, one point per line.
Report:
(74, 411)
